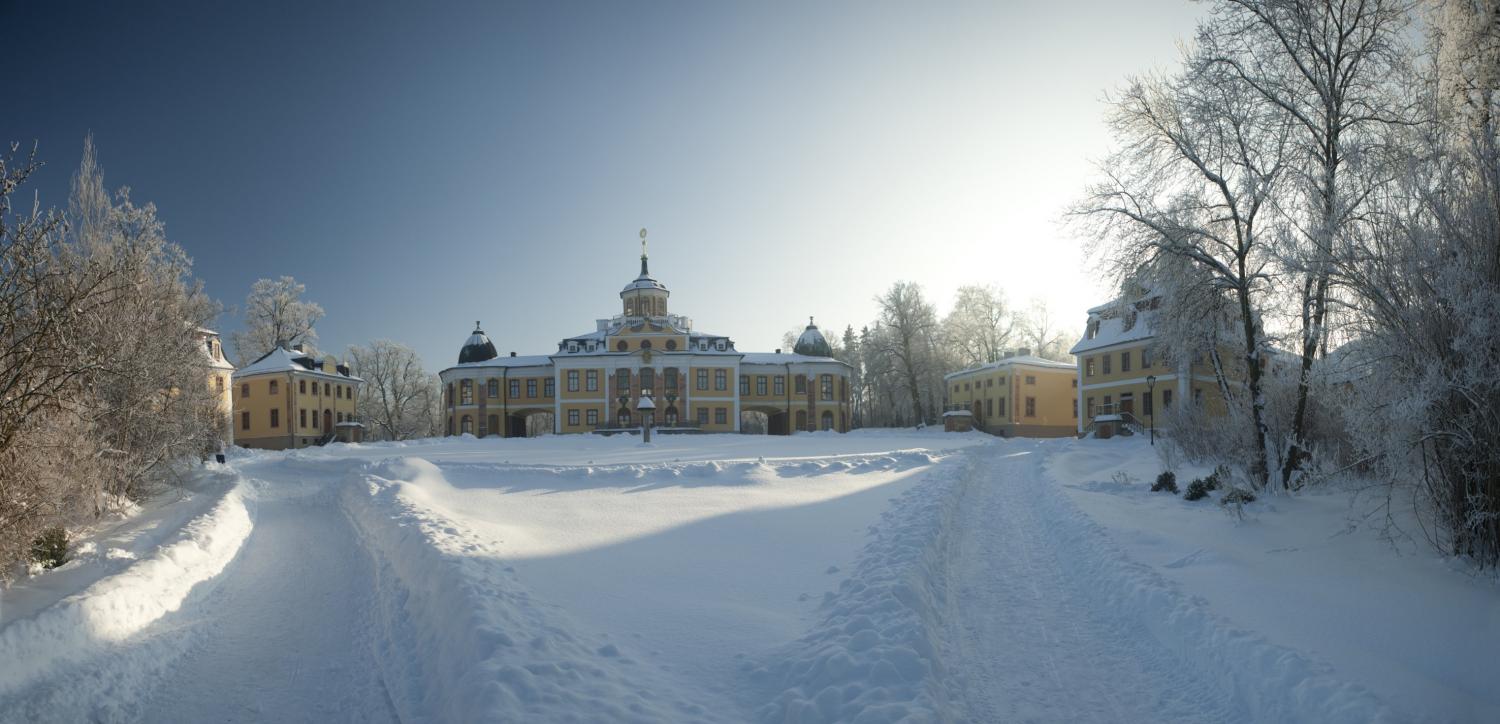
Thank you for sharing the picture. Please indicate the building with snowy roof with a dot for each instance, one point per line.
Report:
(1123, 378)
(220, 371)
(290, 399)
(1018, 395)
(596, 381)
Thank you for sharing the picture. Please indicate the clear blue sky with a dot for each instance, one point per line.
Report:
(423, 165)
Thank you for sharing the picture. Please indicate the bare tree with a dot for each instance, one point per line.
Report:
(398, 398)
(1040, 333)
(910, 340)
(1326, 68)
(275, 313)
(1183, 201)
(980, 326)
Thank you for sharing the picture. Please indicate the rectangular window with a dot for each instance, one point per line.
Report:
(721, 380)
(703, 416)
(244, 421)
(760, 385)
(825, 384)
(989, 408)
(573, 418)
(1106, 359)
(778, 385)
(1075, 408)
(493, 388)
(1146, 404)
(273, 387)
(1091, 407)
(466, 392)
(1166, 399)
(800, 385)
(721, 416)
(1001, 407)
(744, 384)
(244, 390)
(338, 392)
(549, 387)
(515, 389)
(531, 388)
(572, 380)
(671, 375)
(591, 380)
(989, 382)
(1124, 361)
(275, 417)
(1146, 358)
(1031, 407)
(1088, 367)
(302, 387)
(315, 419)
(592, 418)
(1197, 395)
(327, 389)
(1030, 379)
(622, 380)
(302, 418)
(703, 381)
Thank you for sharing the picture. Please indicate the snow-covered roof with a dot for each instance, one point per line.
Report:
(811, 342)
(1022, 359)
(281, 359)
(529, 360)
(781, 358)
(1127, 324)
(477, 348)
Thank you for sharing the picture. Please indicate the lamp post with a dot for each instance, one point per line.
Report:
(1151, 400)
(646, 408)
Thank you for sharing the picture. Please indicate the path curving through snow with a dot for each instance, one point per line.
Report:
(1027, 639)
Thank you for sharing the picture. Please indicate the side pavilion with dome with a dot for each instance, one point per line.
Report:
(698, 382)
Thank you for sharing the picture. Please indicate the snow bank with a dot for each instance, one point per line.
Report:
(463, 640)
(111, 610)
(875, 656)
(1271, 682)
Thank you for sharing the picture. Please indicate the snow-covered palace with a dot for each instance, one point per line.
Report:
(596, 382)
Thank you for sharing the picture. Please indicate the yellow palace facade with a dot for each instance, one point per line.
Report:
(595, 382)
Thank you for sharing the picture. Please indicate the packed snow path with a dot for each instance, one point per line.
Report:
(283, 637)
(1027, 641)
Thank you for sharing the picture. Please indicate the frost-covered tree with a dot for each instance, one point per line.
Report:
(980, 326)
(275, 313)
(399, 398)
(910, 340)
(1183, 205)
(1326, 68)
(1040, 332)
(1426, 284)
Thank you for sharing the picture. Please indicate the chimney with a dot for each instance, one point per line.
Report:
(297, 347)
(512, 354)
(1023, 352)
(778, 350)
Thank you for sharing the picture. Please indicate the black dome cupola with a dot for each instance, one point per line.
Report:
(811, 343)
(478, 349)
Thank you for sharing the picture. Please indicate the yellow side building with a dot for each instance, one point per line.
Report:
(1122, 377)
(290, 399)
(1020, 395)
(220, 375)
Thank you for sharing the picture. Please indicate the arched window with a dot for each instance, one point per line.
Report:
(671, 344)
(622, 345)
(645, 344)
(827, 420)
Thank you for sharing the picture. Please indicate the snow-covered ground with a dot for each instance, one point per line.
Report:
(875, 576)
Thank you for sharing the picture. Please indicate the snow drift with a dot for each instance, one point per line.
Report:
(110, 611)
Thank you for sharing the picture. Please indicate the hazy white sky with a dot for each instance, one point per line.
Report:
(423, 166)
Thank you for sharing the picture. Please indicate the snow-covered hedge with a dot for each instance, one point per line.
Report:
(875, 656)
(88, 623)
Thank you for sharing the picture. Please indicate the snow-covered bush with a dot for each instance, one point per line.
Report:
(50, 549)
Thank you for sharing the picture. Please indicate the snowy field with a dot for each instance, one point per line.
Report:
(875, 576)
